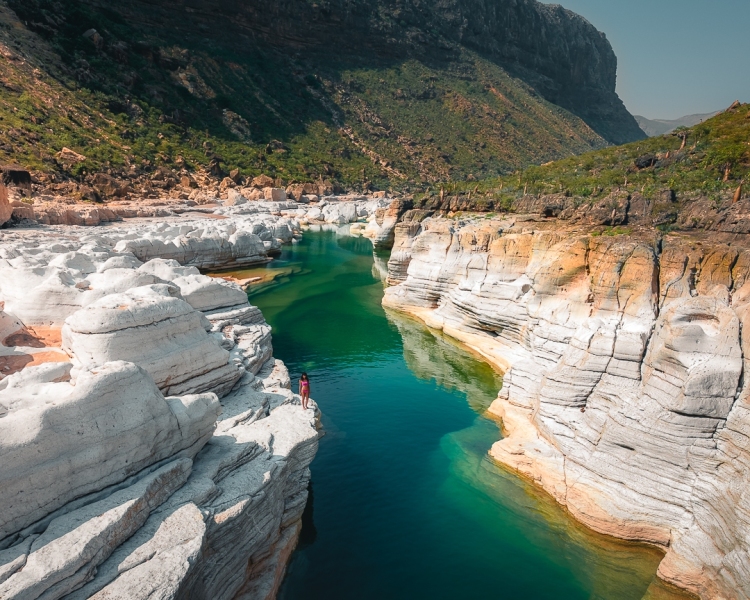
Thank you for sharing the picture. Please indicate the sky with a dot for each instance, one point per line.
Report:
(675, 57)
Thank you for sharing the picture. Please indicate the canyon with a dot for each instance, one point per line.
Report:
(151, 443)
(624, 393)
(171, 457)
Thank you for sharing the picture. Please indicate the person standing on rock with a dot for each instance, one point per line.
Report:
(304, 390)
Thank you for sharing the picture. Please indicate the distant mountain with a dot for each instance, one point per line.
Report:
(653, 127)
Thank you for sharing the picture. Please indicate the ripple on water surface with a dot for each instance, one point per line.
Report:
(405, 502)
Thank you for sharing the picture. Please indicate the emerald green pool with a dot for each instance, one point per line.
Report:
(405, 503)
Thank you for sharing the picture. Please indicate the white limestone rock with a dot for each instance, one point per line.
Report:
(340, 213)
(60, 441)
(153, 327)
(206, 293)
(66, 555)
(96, 473)
(234, 198)
(233, 524)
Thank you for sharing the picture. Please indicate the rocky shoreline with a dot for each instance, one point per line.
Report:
(151, 444)
(624, 395)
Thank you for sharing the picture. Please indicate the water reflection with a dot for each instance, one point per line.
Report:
(432, 356)
(380, 267)
(607, 566)
(309, 533)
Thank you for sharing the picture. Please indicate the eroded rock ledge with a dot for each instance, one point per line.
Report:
(151, 445)
(625, 395)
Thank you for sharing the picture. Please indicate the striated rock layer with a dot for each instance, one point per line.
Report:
(151, 445)
(625, 395)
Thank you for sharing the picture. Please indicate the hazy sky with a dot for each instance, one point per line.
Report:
(675, 57)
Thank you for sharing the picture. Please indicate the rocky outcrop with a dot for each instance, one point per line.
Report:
(624, 394)
(214, 246)
(380, 226)
(154, 327)
(6, 210)
(151, 444)
(63, 466)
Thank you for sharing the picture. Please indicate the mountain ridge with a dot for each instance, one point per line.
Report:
(654, 127)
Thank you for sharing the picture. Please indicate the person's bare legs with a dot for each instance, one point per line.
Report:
(305, 399)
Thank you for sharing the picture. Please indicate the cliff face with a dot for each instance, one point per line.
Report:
(560, 54)
(625, 395)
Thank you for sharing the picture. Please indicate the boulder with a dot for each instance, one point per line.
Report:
(274, 194)
(69, 157)
(188, 182)
(253, 194)
(646, 161)
(94, 37)
(108, 186)
(314, 214)
(262, 181)
(90, 194)
(297, 191)
(226, 184)
(234, 198)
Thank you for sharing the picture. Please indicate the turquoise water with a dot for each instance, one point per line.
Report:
(405, 503)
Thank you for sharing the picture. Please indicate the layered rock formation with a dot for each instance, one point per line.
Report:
(151, 444)
(625, 395)
(381, 225)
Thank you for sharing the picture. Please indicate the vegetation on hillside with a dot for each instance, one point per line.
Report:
(132, 98)
(711, 160)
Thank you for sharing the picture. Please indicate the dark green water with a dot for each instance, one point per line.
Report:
(405, 503)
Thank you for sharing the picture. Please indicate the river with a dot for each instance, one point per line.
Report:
(405, 502)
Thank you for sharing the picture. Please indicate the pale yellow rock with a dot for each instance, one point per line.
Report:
(6, 210)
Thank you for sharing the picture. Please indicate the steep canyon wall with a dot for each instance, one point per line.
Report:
(625, 394)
